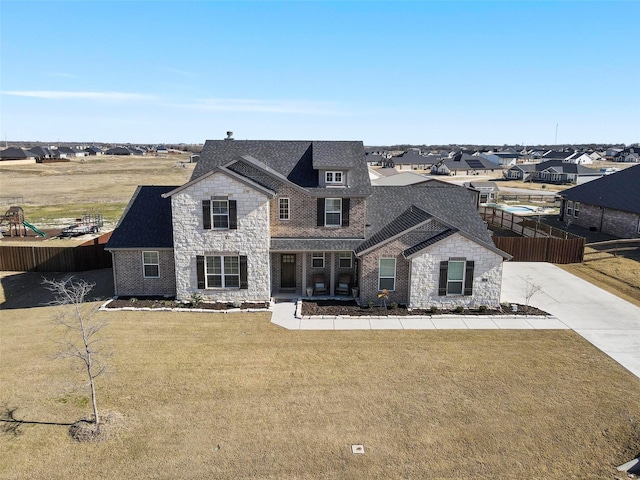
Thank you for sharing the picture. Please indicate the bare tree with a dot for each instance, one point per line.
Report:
(82, 326)
(530, 289)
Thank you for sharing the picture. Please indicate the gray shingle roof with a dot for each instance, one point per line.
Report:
(411, 217)
(429, 241)
(452, 204)
(146, 222)
(619, 191)
(298, 161)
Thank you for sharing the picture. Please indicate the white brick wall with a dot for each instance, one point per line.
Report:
(425, 271)
(250, 239)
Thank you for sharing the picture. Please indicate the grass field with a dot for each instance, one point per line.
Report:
(55, 193)
(231, 396)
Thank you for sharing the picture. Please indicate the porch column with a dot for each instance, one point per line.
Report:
(303, 256)
(332, 280)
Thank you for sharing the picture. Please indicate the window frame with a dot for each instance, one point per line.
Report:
(146, 264)
(576, 209)
(224, 272)
(332, 212)
(317, 256)
(386, 277)
(288, 209)
(342, 256)
(219, 215)
(333, 174)
(456, 281)
(569, 208)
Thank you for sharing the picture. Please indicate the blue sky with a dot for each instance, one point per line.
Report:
(381, 72)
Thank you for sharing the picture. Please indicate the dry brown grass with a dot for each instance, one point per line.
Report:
(92, 184)
(617, 275)
(233, 396)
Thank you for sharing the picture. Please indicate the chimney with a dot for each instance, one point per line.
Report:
(229, 136)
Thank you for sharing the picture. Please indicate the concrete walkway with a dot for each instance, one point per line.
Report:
(606, 321)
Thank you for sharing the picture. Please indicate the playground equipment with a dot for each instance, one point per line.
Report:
(14, 218)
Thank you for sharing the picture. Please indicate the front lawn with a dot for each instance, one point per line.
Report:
(228, 396)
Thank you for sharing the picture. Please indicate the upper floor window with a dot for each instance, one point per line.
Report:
(151, 264)
(576, 209)
(283, 209)
(333, 212)
(333, 177)
(219, 213)
(569, 208)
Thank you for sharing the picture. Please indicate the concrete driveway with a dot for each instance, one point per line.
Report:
(608, 322)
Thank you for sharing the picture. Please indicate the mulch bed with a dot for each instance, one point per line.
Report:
(351, 308)
(165, 303)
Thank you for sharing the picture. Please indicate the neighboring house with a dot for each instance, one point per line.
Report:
(503, 158)
(17, 155)
(42, 153)
(413, 160)
(553, 171)
(118, 151)
(66, 152)
(162, 150)
(260, 218)
(93, 150)
(581, 159)
(487, 191)
(610, 204)
(465, 164)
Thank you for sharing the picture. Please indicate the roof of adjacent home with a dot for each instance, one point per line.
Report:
(146, 222)
(16, 153)
(618, 191)
(298, 161)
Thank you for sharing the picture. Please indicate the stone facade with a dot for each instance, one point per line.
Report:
(487, 275)
(251, 238)
(417, 279)
(129, 276)
(607, 220)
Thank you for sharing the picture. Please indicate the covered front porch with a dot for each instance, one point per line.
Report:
(314, 274)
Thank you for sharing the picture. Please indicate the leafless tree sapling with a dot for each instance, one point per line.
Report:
(530, 289)
(81, 339)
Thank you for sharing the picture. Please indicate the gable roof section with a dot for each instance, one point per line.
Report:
(452, 204)
(618, 191)
(297, 161)
(146, 222)
(403, 223)
(428, 242)
(259, 172)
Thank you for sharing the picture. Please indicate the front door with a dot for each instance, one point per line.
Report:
(288, 270)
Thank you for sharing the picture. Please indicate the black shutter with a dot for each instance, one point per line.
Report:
(200, 271)
(206, 214)
(444, 272)
(321, 212)
(233, 215)
(244, 283)
(345, 211)
(468, 278)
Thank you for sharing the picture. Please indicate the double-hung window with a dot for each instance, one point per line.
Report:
(569, 208)
(317, 260)
(283, 209)
(333, 212)
(344, 260)
(455, 277)
(387, 274)
(576, 209)
(151, 264)
(220, 213)
(222, 271)
(333, 178)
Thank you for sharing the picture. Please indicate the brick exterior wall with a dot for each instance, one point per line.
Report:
(303, 217)
(252, 238)
(614, 222)
(129, 276)
(417, 279)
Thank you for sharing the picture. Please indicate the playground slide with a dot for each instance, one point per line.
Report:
(38, 232)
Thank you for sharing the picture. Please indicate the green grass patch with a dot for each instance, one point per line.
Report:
(49, 214)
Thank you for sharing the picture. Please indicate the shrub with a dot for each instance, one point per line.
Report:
(196, 298)
(394, 305)
(433, 309)
(483, 308)
(459, 309)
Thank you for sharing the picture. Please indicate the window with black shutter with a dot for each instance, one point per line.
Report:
(206, 214)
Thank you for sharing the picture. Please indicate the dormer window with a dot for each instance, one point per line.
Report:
(333, 178)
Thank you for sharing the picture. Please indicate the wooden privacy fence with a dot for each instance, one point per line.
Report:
(53, 259)
(538, 242)
(518, 197)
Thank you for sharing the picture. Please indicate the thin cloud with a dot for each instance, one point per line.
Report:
(263, 106)
(62, 74)
(185, 73)
(60, 95)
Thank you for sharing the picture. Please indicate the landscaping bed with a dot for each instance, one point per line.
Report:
(156, 303)
(351, 308)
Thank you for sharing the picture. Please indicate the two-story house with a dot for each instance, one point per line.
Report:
(260, 218)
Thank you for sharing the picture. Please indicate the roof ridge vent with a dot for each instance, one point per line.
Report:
(229, 136)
